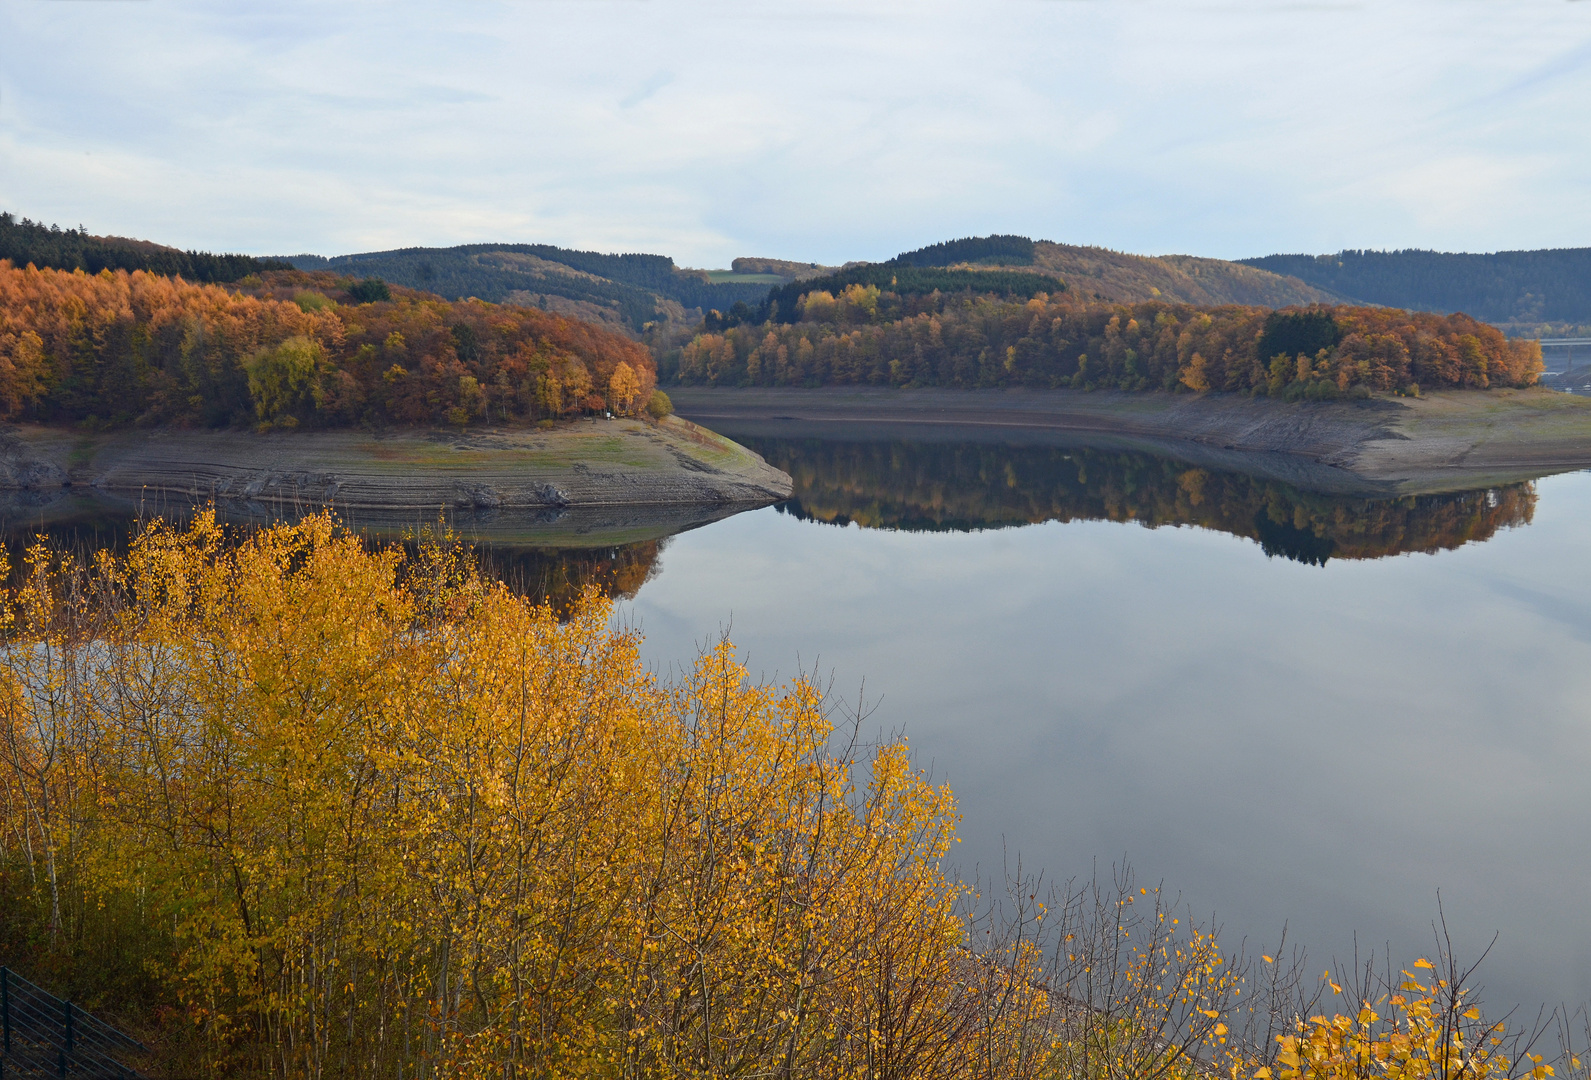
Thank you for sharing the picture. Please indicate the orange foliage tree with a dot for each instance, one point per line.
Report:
(865, 335)
(115, 348)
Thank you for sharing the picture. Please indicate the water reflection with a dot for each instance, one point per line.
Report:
(552, 575)
(958, 487)
(1323, 746)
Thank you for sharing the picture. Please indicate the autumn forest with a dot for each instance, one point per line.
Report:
(290, 802)
(871, 335)
(290, 348)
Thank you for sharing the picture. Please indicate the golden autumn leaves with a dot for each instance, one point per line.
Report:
(370, 814)
(864, 336)
(334, 811)
(115, 348)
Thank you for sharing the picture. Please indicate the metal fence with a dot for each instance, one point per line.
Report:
(43, 1036)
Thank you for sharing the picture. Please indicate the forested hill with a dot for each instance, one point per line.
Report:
(630, 291)
(291, 348)
(872, 335)
(1102, 274)
(1525, 292)
(1093, 273)
(1016, 267)
(626, 290)
(50, 247)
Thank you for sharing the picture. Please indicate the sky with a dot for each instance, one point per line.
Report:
(818, 130)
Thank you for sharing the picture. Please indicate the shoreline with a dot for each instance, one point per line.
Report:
(1443, 441)
(590, 481)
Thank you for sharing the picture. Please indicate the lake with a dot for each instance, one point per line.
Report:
(1290, 708)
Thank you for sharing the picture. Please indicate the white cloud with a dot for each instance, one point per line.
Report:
(821, 130)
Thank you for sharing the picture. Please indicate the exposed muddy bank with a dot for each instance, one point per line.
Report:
(1446, 441)
(607, 481)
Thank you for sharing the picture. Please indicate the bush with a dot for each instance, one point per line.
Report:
(359, 782)
(658, 405)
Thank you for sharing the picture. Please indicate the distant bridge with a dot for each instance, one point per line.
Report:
(1561, 354)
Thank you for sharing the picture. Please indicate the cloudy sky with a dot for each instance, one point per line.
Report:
(814, 130)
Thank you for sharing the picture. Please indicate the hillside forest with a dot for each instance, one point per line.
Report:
(290, 348)
(24, 241)
(865, 334)
(1528, 293)
(629, 291)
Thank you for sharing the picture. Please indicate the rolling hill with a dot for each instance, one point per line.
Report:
(1525, 293)
(625, 291)
(23, 241)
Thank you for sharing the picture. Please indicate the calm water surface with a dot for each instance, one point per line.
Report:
(1298, 710)
(1290, 708)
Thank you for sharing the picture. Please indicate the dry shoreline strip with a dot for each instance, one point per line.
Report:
(1444, 441)
(613, 479)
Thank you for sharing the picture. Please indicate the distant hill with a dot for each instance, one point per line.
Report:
(49, 246)
(1017, 266)
(1526, 293)
(1101, 274)
(630, 291)
(784, 303)
(986, 250)
(627, 290)
(787, 269)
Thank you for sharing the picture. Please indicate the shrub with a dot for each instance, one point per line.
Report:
(659, 405)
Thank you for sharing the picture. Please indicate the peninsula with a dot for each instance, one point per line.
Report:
(617, 480)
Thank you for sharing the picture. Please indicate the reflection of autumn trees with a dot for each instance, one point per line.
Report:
(961, 486)
(558, 577)
(293, 348)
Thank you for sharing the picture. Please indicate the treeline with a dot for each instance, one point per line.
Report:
(788, 303)
(631, 284)
(293, 348)
(294, 808)
(1523, 287)
(865, 334)
(955, 487)
(24, 241)
(1004, 250)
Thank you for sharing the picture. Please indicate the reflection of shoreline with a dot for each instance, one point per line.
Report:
(545, 527)
(967, 486)
(553, 574)
(1444, 441)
